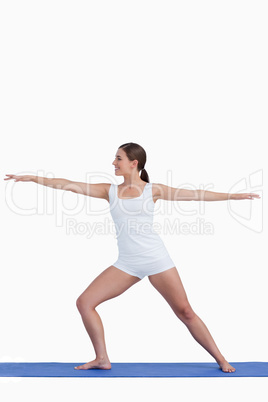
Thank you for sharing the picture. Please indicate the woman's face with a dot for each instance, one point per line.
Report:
(122, 164)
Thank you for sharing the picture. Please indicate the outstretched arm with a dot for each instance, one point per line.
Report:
(61, 184)
(212, 196)
(99, 190)
(180, 194)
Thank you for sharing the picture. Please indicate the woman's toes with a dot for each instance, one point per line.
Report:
(227, 368)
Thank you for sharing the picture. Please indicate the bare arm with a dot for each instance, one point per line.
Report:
(180, 194)
(99, 190)
(212, 196)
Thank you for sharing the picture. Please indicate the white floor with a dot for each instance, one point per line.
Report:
(134, 389)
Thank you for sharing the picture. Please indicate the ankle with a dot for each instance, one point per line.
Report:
(102, 358)
(221, 360)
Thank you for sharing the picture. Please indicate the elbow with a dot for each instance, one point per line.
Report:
(197, 195)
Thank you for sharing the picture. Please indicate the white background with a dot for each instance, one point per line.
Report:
(188, 82)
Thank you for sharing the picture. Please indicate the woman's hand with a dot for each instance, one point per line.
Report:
(244, 196)
(18, 178)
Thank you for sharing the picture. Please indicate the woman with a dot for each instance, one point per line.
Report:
(141, 250)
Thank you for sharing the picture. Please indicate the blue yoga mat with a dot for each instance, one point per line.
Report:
(243, 369)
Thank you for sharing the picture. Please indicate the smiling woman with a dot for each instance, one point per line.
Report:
(141, 250)
(131, 157)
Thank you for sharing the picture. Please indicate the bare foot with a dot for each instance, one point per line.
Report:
(103, 364)
(226, 367)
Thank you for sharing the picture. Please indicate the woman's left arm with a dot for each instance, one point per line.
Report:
(180, 194)
(212, 196)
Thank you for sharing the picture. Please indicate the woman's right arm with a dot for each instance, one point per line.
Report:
(99, 190)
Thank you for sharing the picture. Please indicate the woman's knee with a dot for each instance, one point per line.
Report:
(185, 312)
(84, 304)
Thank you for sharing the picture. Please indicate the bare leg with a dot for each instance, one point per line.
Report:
(202, 335)
(169, 285)
(110, 283)
(95, 330)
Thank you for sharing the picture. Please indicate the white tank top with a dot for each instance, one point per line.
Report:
(133, 219)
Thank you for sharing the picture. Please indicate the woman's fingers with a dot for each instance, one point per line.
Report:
(244, 196)
(13, 176)
(18, 178)
(8, 178)
(250, 196)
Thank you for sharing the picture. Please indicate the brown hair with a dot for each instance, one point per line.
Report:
(135, 151)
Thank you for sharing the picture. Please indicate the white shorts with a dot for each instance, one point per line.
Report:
(146, 263)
